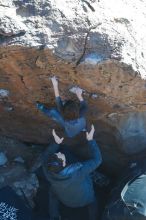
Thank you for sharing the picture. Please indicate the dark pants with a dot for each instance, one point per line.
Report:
(88, 212)
(93, 210)
(72, 213)
(54, 211)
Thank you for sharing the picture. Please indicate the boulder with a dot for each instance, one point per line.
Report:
(3, 159)
(89, 44)
(127, 200)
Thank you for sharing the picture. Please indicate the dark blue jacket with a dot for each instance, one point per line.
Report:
(72, 127)
(73, 186)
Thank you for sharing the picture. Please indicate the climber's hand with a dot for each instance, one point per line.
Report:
(78, 92)
(89, 135)
(54, 81)
(57, 139)
(55, 86)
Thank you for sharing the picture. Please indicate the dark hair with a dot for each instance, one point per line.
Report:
(70, 110)
(55, 164)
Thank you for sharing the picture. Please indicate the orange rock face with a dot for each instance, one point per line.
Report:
(114, 92)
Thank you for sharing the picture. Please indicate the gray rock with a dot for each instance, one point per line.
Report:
(27, 186)
(94, 96)
(2, 180)
(19, 159)
(3, 159)
(23, 182)
(8, 108)
(12, 173)
(77, 31)
(131, 130)
(4, 93)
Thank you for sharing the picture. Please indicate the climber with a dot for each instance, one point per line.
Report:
(69, 115)
(71, 183)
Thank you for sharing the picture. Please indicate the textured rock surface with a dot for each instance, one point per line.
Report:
(28, 186)
(14, 173)
(3, 159)
(91, 44)
(20, 180)
(90, 31)
(116, 96)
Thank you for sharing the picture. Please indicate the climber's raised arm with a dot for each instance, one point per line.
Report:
(57, 95)
(55, 86)
(83, 104)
